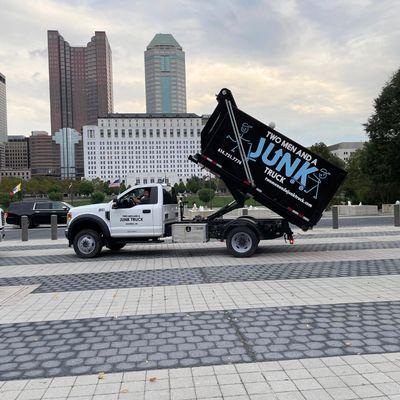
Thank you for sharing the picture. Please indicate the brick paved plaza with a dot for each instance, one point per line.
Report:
(317, 320)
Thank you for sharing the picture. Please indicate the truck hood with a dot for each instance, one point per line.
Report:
(90, 208)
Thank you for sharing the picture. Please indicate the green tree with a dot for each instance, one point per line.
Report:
(322, 150)
(86, 188)
(358, 187)
(5, 200)
(382, 157)
(97, 197)
(55, 196)
(206, 195)
(181, 187)
(8, 183)
(193, 184)
(55, 188)
(106, 188)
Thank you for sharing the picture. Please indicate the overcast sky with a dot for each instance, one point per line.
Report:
(312, 67)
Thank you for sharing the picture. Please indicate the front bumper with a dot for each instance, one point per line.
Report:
(67, 236)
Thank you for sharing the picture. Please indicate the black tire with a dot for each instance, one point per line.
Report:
(116, 246)
(87, 243)
(242, 242)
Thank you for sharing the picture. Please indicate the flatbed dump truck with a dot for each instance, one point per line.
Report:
(252, 159)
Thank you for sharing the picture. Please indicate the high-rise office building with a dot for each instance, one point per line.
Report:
(80, 90)
(71, 159)
(16, 158)
(42, 158)
(3, 109)
(164, 62)
(80, 81)
(17, 153)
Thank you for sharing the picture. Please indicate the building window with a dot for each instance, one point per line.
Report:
(101, 133)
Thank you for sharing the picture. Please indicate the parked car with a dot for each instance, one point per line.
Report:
(38, 212)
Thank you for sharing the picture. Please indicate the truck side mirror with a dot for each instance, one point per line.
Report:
(114, 203)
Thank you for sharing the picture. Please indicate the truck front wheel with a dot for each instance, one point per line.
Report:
(87, 243)
(242, 242)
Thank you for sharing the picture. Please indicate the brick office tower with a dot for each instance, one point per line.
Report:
(80, 87)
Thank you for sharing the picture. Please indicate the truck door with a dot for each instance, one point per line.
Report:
(134, 215)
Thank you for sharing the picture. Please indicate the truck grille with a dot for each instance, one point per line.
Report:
(3, 221)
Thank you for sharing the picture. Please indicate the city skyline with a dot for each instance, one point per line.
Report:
(313, 69)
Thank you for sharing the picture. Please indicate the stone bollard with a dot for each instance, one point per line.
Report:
(54, 232)
(24, 228)
(335, 217)
(396, 210)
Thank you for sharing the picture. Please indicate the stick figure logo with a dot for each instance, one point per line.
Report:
(245, 128)
(316, 180)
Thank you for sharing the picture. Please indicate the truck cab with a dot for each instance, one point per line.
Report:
(140, 213)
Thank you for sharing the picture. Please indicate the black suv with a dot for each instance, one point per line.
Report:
(38, 212)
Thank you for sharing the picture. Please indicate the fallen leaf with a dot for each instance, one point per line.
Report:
(153, 379)
(102, 375)
(124, 390)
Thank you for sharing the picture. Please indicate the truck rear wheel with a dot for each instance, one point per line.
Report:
(242, 242)
(87, 243)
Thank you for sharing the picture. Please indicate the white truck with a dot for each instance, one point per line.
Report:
(122, 221)
(252, 159)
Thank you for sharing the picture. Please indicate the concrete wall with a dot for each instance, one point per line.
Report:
(358, 210)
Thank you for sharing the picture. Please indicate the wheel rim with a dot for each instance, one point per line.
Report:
(241, 242)
(86, 244)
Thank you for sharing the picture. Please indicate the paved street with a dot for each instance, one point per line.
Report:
(317, 320)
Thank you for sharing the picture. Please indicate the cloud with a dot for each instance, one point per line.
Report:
(313, 67)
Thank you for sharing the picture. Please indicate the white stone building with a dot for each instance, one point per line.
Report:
(143, 148)
(343, 150)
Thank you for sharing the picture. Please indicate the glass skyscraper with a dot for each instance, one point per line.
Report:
(165, 75)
